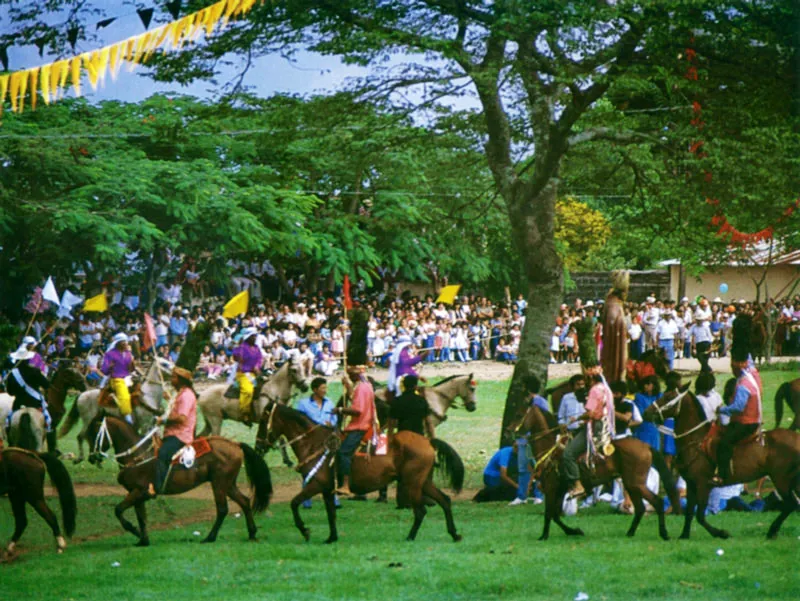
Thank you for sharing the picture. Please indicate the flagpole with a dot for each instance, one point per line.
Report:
(30, 323)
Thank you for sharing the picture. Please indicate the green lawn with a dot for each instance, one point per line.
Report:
(499, 557)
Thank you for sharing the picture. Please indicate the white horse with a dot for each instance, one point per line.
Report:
(27, 430)
(216, 407)
(86, 405)
(440, 396)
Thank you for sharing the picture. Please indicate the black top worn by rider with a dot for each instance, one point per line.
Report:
(410, 410)
(33, 377)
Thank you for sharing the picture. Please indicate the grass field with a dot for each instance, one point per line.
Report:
(498, 558)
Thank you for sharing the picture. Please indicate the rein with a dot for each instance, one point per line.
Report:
(103, 434)
(670, 432)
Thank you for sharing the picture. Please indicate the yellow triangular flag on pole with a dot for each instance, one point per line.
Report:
(448, 294)
(237, 305)
(96, 303)
(75, 71)
(3, 90)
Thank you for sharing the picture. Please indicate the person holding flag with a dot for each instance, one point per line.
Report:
(118, 364)
(250, 359)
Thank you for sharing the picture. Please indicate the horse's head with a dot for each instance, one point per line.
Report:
(72, 377)
(468, 394)
(669, 405)
(267, 436)
(97, 434)
(297, 374)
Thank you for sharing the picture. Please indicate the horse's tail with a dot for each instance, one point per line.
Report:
(66, 493)
(668, 480)
(26, 439)
(450, 463)
(783, 393)
(259, 476)
(70, 420)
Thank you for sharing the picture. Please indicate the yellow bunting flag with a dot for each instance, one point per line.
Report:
(448, 294)
(237, 305)
(50, 80)
(97, 303)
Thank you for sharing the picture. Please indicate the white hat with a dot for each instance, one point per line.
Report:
(590, 303)
(28, 340)
(742, 301)
(650, 299)
(685, 299)
(22, 353)
(248, 332)
(717, 300)
(185, 312)
(119, 337)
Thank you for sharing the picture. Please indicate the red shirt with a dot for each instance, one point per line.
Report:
(186, 405)
(363, 401)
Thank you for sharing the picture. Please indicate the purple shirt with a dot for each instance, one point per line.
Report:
(38, 362)
(249, 357)
(117, 364)
(406, 363)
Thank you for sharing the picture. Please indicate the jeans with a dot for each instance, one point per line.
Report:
(444, 354)
(169, 446)
(576, 447)
(461, 355)
(523, 463)
(475, 350)
(349, 446)
(669, 351)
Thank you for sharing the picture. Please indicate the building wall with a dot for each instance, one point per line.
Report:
(739, 280)
(594, 285)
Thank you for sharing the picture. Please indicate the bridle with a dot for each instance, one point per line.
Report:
(103, 436)
(661, 408)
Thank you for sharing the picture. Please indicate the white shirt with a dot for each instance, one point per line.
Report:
(667, 330)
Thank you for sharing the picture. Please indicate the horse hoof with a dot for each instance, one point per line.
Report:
(207, 539)
(307, 534)
(724, 534)
(630, 534)
(457, 538)
(665, 536)
(331, 539)
(683, 537)
(144, 542)
(578, 532)
(543, 537)
(772, 536)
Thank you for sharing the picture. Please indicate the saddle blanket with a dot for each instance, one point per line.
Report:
(191, 452)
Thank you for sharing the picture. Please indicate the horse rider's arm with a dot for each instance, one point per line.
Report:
(178, 420)
(625, 417)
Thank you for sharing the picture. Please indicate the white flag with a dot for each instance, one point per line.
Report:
(70, 300)
(49, 292)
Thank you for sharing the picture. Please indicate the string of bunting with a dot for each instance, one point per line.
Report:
(50, 81)
(719, 221)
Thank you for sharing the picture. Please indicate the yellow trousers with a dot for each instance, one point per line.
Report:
(246, 390)
(123, 395)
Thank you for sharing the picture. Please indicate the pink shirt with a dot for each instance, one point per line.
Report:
(185, 404)
(363, 401)
(598, 401)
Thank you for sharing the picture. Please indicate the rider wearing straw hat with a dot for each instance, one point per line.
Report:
(118, 364)
(25, 383)
(29, 344)
(250, 358)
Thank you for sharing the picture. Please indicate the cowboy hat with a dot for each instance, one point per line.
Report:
(182, 373)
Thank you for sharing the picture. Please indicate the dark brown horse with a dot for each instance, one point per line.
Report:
(220, 467)
(789, 392)
(410, 459)
(22, 478)
(631, 459)
(778, 458)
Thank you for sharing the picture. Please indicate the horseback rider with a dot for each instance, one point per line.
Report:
(410, 411)
(178, 426)
(402, 363)
(250, 359)
(29, 343)
(745, 410)
(118, 364)
(25, 383)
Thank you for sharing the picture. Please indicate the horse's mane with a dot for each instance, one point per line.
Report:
(552, 420)
(447, 379)
(293, 415)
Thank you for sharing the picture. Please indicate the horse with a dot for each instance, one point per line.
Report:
(778, 458)
(556, 393)
(441, 397)
(65, 378)
(790, 392)
(410, 458)
(216, 407)
(87, 405)
(22, 478)
(631, 459)
(137, 460)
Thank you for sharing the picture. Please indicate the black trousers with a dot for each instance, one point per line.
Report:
(703, 355)
(169, 446)
(734, 432)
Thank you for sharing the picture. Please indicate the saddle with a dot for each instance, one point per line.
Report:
(710, 443)
(191, 452)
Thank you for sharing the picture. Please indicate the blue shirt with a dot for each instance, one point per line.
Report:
(319, 415)
(501, 459)
(570, 407)
(740, 398)
(179, 326)
(540, 402)
(647, 431)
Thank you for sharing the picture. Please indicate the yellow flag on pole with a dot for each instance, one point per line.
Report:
(237, 305)
(448, 294)
(97, 303)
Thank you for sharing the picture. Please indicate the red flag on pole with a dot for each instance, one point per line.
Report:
(149, 338)
(348, 301)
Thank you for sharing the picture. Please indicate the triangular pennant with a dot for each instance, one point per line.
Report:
(16, 77)
(72, 35)
(146, 15)
(91, 69)
(230, 8)
(75, 73)
(62, 75)
(3, 91)
(140, 44)
(115, 58)
(102, 57)
(40, 44)
(4, 57)
(159, 36)
(45, 83)
(174, 8)
(216, 13)
(23, 88)
(34, 75)
(105, 23)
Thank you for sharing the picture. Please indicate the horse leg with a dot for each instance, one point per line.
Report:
(222, 510)
(81, 440)
(691, 503)
(48, 516)
(430, 490)
(20, 520)
(287, 461)
(556, 511)
(238, 497)
(330, 509)
(141, 517)
(658, 505)
(308, 491)
(702, 503)
(635, 493)
(126, 504)
(791, 499)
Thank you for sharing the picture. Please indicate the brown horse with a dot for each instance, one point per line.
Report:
(789, 392)
(220, 467)
(66, 378)
(22, 478)
(778, 458)
(410, 459)
(631, 459)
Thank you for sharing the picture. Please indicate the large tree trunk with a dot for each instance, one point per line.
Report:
(532, 223)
